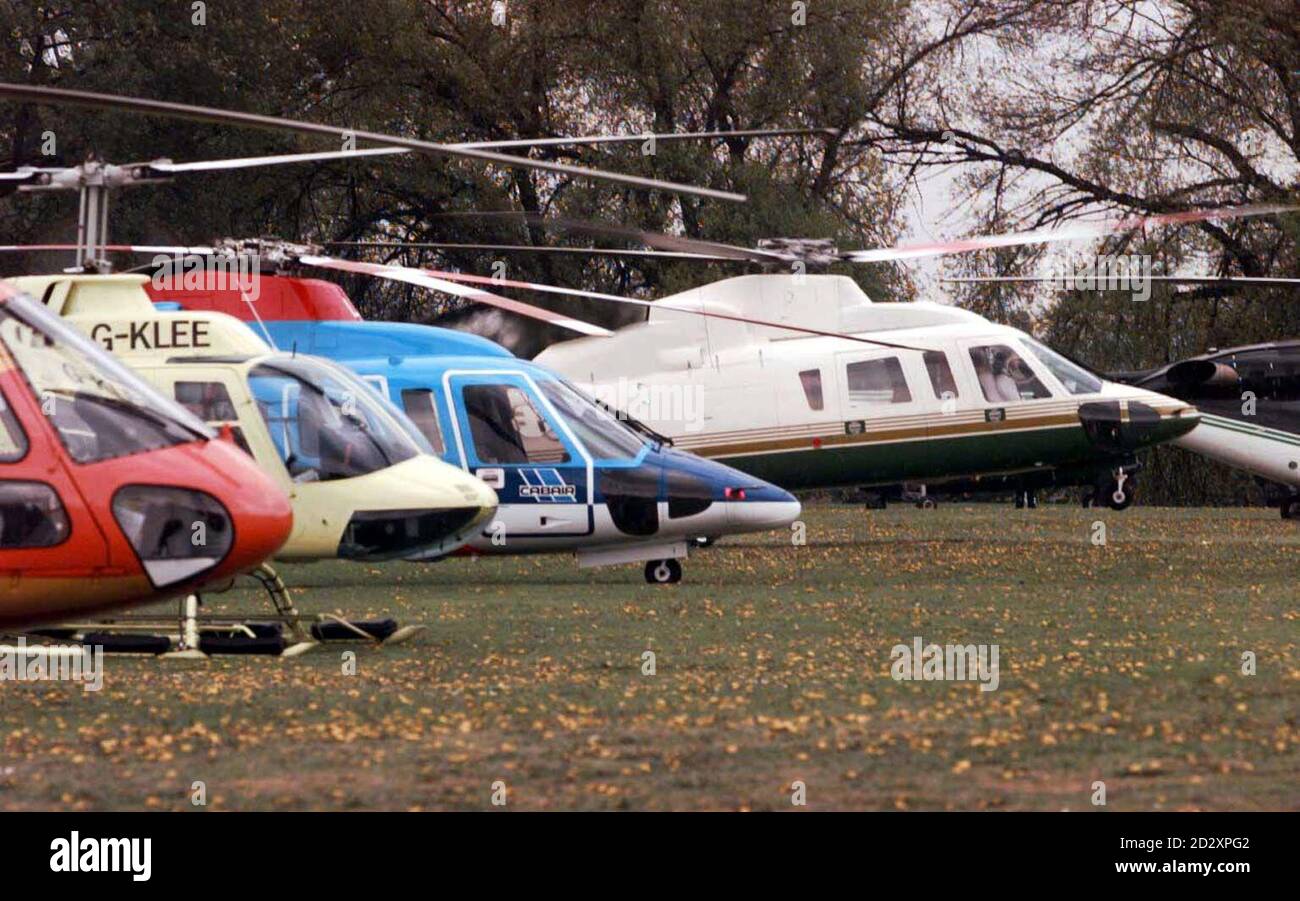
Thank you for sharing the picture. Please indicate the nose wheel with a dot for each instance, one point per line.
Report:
(1116, 492)
(663, 572)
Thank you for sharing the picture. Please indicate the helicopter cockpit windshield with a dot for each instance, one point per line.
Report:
(98, 407)
(605, 437)
(325, 423)
(1075, 377)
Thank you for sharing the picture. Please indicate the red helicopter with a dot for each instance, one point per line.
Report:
(111, 494)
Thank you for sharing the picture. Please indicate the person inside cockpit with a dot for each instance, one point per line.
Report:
(1004, 364)
(1004, 376)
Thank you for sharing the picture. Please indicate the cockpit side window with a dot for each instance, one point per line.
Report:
(602, 433)
(812, 388)
(1004, 376)
(1273, 377)
(423, 411)
(324, 423)
(1271, 374)
(507, 428)
(31, 515)
(879, 381)
(209, 401)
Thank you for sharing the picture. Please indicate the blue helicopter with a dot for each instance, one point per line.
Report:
(570, 475)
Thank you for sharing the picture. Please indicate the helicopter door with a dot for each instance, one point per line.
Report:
(1004, 376)
(1010, 394)
(881, 397)
(513, 439)
(41, 509)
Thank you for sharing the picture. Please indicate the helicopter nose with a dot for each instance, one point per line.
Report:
(754, 505)
(1124, 426)
(439, 509)
(738, 501)
(261, 514)
(762, 507)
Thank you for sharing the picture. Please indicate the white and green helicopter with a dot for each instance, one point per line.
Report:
(804, 381)
(943, 394)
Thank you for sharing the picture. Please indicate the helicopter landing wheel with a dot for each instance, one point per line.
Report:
(663, 572)
(1290, 507)
(705, 541)
(927, 503)
(1118, 492)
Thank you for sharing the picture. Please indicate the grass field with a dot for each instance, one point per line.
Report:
(1119, 663)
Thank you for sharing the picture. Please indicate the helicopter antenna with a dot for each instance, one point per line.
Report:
(252, 308)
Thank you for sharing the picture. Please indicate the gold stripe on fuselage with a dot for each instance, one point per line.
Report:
(936, 426)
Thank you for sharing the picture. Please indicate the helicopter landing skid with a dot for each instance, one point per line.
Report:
(194, 636)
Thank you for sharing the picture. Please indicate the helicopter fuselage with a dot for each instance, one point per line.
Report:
(957, 397)
(568, 475)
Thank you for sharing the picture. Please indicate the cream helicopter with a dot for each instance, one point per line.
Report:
(361, 478)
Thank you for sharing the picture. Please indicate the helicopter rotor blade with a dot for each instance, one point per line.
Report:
(431, 281)
(450, 283)
(168, 249)
(171, 168)
(536, 248)
(23, 175)
(248, 162)
(1072, 232)
(38, 94)
(1175, 279)
(588, 140)
(656, 240)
